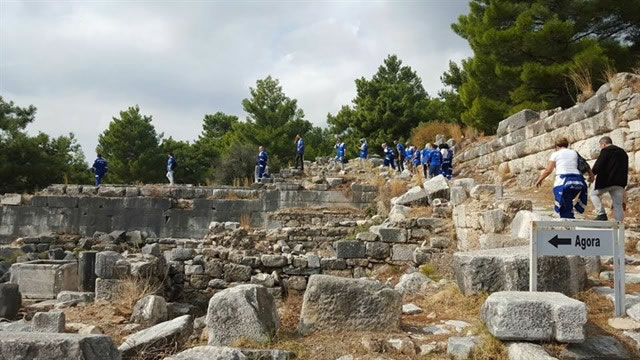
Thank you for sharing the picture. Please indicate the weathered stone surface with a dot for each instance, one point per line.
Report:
(273, 260)
(458, 195)
(436, 188)
(237, 273)
(348, 249)
(106, 264)
(411, 309)
(10, 199)
(398, 213)
(411, 283)
(335, 303)
(460, 348)
(107, 289)
(209, 353)
(44, 279)
(180, 254)
(414, 196)
(403, 252)
(527, 351)
(49, 322)
(150, 310)
(35, 346)
(623, 323)
(243, 312)
(507, 269)
(393, 235)
(86, 297)
(493, 241)
(597, 347)
(533, 316)
(521, 224)
(486, 191)
(177, 330)
(378, 250)
(10, 301)
(516, 121)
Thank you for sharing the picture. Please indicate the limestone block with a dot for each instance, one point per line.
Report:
(10, 199)
(466, 183)
(106, 265)
(521, 224)
(86, 297)
(180, 254)
(436, 188)
(10, 301)
(377, 250)
(527, 351)
(111, 191)
(415, 195)
(486, 191)
(458, 195)
(596, 347)
(275, 261)
(507, 269)
(493, 221)
(534, 316)
(398, 213)
(410, 284)
(332, 264)
(347, 249)
(516, 121)
(107, 289)
(237, 273)
(149, 311)
(243, 312)
(177, 330)
(44, 279)
(13, 345)
(393, 235)
(333, 303)
(49, 322)
(313, 261)
(493, 241)
(403, 252)
(461, 348)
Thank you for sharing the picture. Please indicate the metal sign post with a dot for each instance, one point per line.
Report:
(581, 238)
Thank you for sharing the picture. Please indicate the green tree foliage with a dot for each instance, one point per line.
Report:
(386, 107)
(29, 163)
(273, 120)
(132, 148)
(524, 50)
(193, 167)
(238, 162)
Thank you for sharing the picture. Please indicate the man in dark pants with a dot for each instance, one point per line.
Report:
(299, 152)
(401, 155)
(611, 170)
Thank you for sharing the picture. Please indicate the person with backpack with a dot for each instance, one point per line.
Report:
(262, 160)
(99, 169)
(364, 151)
(435, 161)
(569, 182)
(611, 170)
(388, 156)
(447, 159)
(299, 152)
(401, 155)
(172, 165)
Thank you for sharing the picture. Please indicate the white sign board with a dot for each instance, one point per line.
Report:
(582, 238)
(588, 242)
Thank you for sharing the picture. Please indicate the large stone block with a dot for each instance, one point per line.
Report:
(415, 195)
(48, 322)
(150, 310)
(527, 351)
(377, 250)
(44, 279)
(35, 346)
(107, 289)
(229, 353)
(242, 312)
(10, 301)
(507, 269)
(521, 224)
(106, 264)
(486, 191)
(403, 252)
(333, 303)
(534, 316)
(393, 235)
(516, 121)
(169, 333)
(436, 188)
(347, 249)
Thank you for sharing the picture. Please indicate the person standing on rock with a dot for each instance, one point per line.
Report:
(569, 182)
(415, 159)
(341, 150)
(364, 151)
(435, 161)
(447, 157)
(99, 169)
(388, 156)
(299, 152)
(611, 170)
(262, 163)
(401, 154)
(426, 158)
(171, 168)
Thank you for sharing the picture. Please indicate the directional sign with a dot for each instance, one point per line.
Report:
(586, 242)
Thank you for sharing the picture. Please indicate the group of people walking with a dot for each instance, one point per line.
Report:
(101, 166)
(434, 159)
(610, 173)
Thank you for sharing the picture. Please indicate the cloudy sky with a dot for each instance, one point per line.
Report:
(81, 62)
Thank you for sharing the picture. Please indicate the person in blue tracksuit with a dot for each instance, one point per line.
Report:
(416, 158)
(388, 156)
(569, 182)
(263, 158)
(401, 154)
(408, 155)
(364, 151)
(171, 168)
(341, 151)
(447, 160)
(426, 157)
(435, 161)
(99, 169)
(299, 152)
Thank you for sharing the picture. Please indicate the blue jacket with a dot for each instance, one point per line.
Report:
(449, 158)
(408, 153)
(400, 149)
(170, 163)
(416, 157)
(262, 158)
(300, 146)
(364, 150)
(388, 153)
(426, 156)
(100, 166)
(341, 149)
(435, 159)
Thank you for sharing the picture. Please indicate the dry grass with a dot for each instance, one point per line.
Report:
(609, 74)
(241, 182)
(580, 75)
(155, 190)
(245, 221)
(426, 132)
(231, 196)
(134, 288)
(397, 187)
(420, 211)
(418, 177)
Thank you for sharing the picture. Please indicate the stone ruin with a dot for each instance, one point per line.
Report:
(225, 261)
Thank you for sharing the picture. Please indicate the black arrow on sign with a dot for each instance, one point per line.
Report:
(555, 241)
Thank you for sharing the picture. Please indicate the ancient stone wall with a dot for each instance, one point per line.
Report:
(525, 140)
(160, 211)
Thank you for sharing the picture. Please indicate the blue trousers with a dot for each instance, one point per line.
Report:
(260, 171)
(434, 170)
(388, 162)
(573, 186)
(99, 179)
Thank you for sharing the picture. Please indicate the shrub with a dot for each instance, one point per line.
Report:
(580, 75)
(426, 132)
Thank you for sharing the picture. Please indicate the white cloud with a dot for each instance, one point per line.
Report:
(81, 63)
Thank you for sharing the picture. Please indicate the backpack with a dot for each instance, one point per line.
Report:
(583, 165)
(174, 165)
